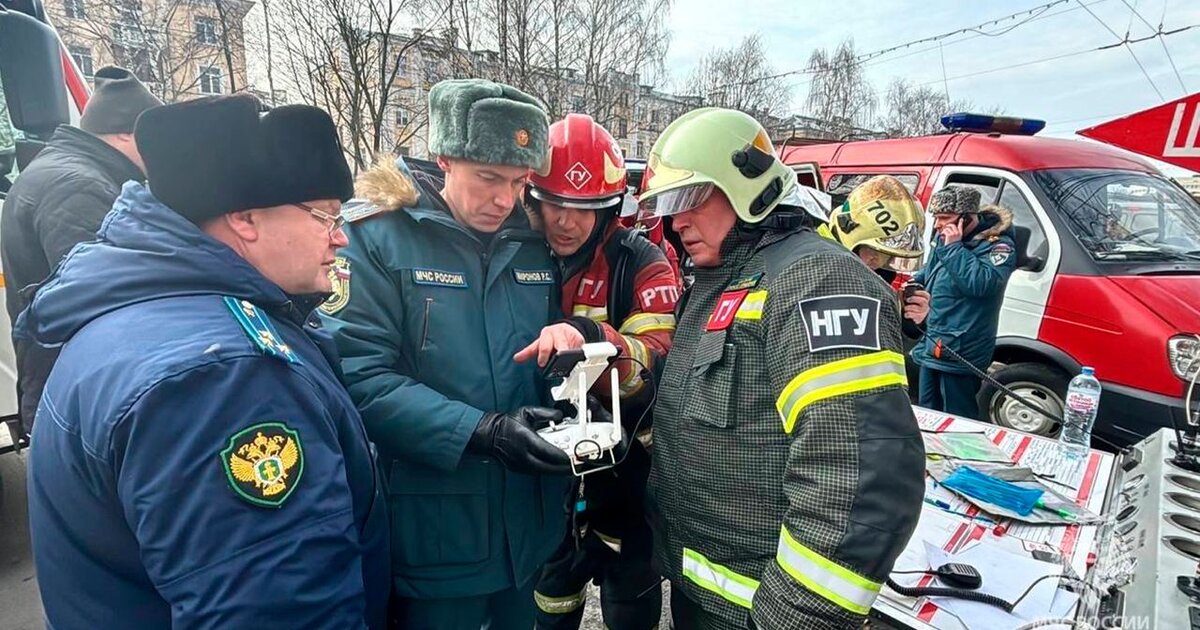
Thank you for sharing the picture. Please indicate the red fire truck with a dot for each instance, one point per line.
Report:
(1109, 274)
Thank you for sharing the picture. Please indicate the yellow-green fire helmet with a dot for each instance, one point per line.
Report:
(715, 149)
(881, 214)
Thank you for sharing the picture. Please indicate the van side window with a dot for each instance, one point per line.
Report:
(1006, 195)
(841, 185)
(988, 187)
(1012, 199)
(808, 174)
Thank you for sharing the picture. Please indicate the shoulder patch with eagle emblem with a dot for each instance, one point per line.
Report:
(264, 463)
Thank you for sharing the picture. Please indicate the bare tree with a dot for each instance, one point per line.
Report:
(913, 110)
(179, 48)
(588, 55)
(345, 56)
(740, 78)
(370, 63)
(917, 110)
(840, 93)
(624, 44)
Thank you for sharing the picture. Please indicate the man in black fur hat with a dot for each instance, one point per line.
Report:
(60, 199)
(196, 463)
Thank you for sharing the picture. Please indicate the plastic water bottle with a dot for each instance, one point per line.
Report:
(1083, 401)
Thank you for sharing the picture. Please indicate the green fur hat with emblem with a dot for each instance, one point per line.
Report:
(492, 123)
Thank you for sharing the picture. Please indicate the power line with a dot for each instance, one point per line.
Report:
(1129, 25)
(1010, 66)
(1034, 13)
(978, 28)
(1132, 12)
(1061, 56)
(936, 47)
(969, 38)
(1059, 123)
(1125, 40)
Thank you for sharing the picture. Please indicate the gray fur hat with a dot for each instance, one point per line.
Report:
(492, 123)
(954, 200)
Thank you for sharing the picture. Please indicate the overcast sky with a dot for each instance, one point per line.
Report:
(1069, 94)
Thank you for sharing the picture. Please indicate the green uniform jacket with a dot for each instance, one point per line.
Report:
(427, 319)
(788, 470)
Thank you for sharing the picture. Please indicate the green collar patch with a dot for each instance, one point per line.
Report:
(745, 282)
(259, 329)
(264, 463)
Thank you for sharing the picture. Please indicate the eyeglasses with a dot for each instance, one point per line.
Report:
(335, 221)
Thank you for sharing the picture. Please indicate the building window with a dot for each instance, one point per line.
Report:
(83, 58)
(130, 12)
(403, 116)
(137, 60)
(206, 30)
(210, 80)
(410, 66)
(75, 9)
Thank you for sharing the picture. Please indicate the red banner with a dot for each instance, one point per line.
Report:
(1167, 132)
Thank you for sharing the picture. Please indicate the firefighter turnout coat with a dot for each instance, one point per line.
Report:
(789, 469)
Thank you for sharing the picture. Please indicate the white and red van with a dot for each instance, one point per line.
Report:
(43, 88)
(1109, 275)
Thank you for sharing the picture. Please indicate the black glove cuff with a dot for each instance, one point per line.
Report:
(591, 331)
(484, 435)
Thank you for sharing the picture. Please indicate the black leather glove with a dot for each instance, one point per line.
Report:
(513, 440)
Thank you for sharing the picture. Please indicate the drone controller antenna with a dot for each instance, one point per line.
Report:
(581, 407)
(616, 397)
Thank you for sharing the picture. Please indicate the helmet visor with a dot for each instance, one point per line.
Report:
(906, 265)
(905, 243)
(579, 204)
(675, 201)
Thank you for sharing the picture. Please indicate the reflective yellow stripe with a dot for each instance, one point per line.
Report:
(638, 352)
(839, 378)
(642, 323)
(711, 576)
(752, 306)
(559, 605)
(594, 313)
(825, 578)
(825, 232)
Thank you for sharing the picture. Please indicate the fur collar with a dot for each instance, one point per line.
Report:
(1004, 221)
(387, 187)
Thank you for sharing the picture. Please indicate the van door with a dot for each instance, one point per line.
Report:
(1030, 374)
(1029, 287)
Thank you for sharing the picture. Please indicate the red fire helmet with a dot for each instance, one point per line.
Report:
(586, 170)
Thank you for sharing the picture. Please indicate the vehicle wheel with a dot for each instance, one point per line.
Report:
(1042, 385)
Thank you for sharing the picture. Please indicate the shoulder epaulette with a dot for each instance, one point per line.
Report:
(355, 212)
(260, 330)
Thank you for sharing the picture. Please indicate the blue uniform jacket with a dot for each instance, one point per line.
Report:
(196, 462)
(966, 282)
(427, 324)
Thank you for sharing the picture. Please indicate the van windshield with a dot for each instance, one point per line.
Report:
(1125, 215)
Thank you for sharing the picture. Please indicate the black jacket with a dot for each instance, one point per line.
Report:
(57, 202)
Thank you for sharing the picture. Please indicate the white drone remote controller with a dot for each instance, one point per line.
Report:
(584, 441)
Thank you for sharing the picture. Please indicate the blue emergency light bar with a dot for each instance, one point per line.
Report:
(979, 123)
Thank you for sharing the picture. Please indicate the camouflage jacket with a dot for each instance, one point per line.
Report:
(789, 469)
